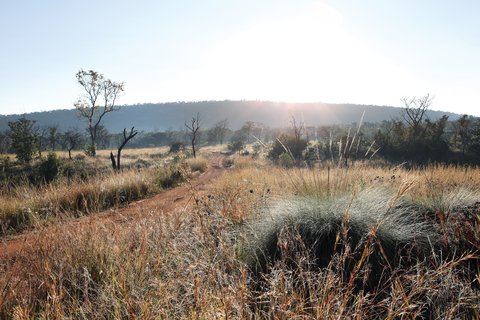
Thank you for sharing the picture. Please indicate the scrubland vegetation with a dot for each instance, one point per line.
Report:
(367, 240)
(58, 188)
(381, 222)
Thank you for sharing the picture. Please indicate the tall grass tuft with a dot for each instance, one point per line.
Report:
(374, 222)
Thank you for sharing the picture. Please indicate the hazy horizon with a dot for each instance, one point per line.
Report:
(226, 100)
(371, 52)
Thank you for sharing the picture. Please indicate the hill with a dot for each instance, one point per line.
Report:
(163, 116)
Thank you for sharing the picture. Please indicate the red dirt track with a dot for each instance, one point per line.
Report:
(162, 203)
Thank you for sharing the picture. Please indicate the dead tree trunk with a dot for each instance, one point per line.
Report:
(126, 138)
(193, 128)
(114, 163)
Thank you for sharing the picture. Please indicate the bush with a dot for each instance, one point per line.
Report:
(288, 144)
(74, 170)
(172, 176)
(236, 146)
(285, 160)
(176, 147)
(198, 164)
(49, 168)
(89, 150)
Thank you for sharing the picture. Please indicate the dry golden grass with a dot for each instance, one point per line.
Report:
(105, 153)
(185, 264)
(25, 206)
(28, 206)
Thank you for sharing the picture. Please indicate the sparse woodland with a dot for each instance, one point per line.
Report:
(368, 221)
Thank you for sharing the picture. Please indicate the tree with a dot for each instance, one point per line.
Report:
(23, 138)
(463, 125)
(218, 132)
(97, 89)
(192, 130)
(298, 128)
(247, 129)
(126, 138)
(103, 137)
(474, 146)
(71, 140)
(53, 137)
(4, 142)
(41, 139)
(414, 111)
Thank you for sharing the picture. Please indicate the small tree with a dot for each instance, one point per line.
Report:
(247, 130)
(192, 129)
(71, 140)
(126, 138)
(474, 146)
(23, 138)
(219, 131)
(53, 137)
(41, 139)
(97, 89)
(464, 125)
(298, 128)
(104, 137)
(414, 112)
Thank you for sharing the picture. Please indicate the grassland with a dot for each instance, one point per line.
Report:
(88, 185)
(189, 263)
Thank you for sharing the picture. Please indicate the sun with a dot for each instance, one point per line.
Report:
(307, 57)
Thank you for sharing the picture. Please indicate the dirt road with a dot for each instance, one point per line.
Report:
(164, 202)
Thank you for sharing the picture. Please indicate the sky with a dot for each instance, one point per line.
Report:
(334, 51)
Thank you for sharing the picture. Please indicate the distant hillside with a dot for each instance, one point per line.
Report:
(162, 116)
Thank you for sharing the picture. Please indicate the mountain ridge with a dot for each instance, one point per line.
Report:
(173, 115)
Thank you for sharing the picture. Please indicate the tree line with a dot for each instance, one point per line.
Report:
(411, 137)
(420, 141)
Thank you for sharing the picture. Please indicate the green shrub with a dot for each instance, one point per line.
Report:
(289, 144)
(48, 168)
(285, 160)
(89, 150)
(176, 147)
(74, 170)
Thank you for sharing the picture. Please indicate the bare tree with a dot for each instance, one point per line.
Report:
(298, 128)
(414, 110)
(71, 140)
(126, 138)
(192, 129)
(98, 91)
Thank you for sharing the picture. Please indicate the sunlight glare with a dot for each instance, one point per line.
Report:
(307, 58)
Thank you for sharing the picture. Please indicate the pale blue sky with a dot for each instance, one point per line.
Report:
(368, 52)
